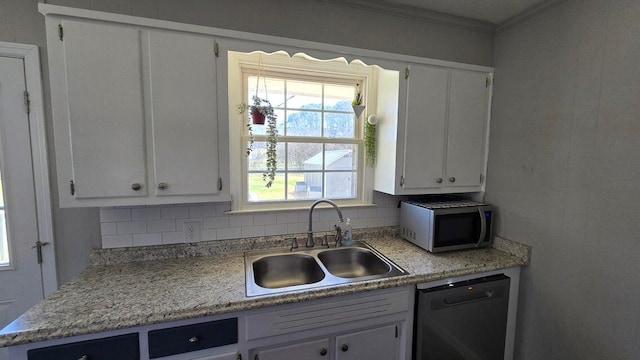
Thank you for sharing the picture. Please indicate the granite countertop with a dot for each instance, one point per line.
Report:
(114, 295)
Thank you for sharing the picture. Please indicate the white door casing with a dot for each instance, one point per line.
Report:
(25, 180)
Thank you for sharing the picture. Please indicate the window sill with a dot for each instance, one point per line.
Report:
(297, 208)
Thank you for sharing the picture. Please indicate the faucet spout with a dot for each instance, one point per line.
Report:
(310, 242)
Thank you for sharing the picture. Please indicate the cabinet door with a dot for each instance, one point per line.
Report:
(378, 343)
(226, 356)
(184, 117)
(312, 350)
(103, 70)
(425, 127)
(467, 128)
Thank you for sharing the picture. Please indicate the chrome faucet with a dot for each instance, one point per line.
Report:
(310, 232)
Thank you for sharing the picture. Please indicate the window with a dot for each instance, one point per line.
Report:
(319, 151)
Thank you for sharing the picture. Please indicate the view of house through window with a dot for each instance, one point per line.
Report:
(4, 241)
(318, 142)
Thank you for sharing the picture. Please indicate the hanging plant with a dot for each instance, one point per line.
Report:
(261, 110)
(370, 140)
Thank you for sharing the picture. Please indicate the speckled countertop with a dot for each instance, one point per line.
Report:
(115, 295)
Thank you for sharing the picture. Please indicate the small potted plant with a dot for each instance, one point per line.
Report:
(356, 103)
(259, 111)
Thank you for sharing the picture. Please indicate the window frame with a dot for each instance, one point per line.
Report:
(299, 68)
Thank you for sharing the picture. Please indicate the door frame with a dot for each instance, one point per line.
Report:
(37, 128)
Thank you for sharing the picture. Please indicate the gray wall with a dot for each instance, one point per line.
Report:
(77, 231)
(564, 167)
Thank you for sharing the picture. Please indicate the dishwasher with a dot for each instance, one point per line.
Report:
(466, 320)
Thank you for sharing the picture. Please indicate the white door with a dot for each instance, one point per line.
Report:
(469, 99)
(425, 127)
(379, 343)
(21, 283)
(311, 350)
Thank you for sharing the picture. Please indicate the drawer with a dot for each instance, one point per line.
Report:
(122, 347)
(182, 339)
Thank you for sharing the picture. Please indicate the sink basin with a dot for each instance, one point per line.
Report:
(278, 271)
(353, 262)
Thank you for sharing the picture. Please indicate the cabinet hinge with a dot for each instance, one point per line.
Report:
(401, 180)
(488, 82)
(72, 187)
(219, 184)
(406, 73)
(481, 178)
(396, 331)
(27, 102)
(60, 32)
(216, 49)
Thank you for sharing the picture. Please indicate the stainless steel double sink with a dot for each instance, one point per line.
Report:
(281, 270)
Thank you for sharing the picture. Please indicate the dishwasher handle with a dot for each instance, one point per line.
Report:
(457, 299)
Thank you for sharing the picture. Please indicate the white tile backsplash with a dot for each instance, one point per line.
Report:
(155, 225)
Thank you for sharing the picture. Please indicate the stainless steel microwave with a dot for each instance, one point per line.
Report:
(444, 226)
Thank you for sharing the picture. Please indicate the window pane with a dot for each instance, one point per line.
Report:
(304, 123)
(341, 185)
(274, 90)
(340, 157)
(338, 97)
(299, 187)
(257, 161)
(339, 125)
(258, 192)
(304, 156)
(304, 95)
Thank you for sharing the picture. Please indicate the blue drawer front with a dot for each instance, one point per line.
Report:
(182, 339)
(122, 347)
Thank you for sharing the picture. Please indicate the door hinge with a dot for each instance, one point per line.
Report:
(406, 73)
(27, 102)
(60, 32)
(396, 331)
(38, 246)
(72, 187)
(219, 184)
(216, 49)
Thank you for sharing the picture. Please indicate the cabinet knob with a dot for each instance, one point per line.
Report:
(162, 186)
(439, 180)
(84, 357)
(323, 352)
(344, 347)
(136, 186)
(452, 179)
(194, 340)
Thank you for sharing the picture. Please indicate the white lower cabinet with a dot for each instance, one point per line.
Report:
(372, 325)
(377, 343)
(310, 350)
(227, 356)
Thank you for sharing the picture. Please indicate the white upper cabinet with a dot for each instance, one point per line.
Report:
(135, 115)
(440, 142)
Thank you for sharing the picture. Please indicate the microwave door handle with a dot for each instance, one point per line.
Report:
(483, 226)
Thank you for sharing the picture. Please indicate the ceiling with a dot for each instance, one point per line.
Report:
(492, 11)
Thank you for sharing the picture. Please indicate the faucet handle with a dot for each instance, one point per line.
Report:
(325, 240)
(338, 235)
(294, 243)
